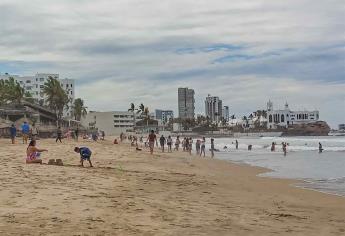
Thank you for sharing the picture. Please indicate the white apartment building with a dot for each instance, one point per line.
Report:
(112, 123)
(34, 85)
(213, 108)
(286, 117)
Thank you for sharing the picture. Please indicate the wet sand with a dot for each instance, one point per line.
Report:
(130, 192)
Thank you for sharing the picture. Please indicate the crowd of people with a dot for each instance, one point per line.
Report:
(163, 143)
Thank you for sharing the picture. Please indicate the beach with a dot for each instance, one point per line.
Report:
(130, 192)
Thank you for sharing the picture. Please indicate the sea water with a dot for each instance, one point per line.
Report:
(324, 172)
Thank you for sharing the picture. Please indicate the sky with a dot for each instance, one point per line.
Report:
(244, 51)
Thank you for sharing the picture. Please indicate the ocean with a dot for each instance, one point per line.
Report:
(324, 172)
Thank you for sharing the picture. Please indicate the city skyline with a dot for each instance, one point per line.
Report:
(245, 52)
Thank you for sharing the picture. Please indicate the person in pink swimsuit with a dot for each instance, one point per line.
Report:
(33, 153)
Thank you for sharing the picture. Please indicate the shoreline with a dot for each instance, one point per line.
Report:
(130, 192)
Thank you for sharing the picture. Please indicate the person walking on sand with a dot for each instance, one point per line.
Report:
(13, 133)
(320, 148)
(33, 153)
(34, 132)
(177, 143)
(58, 135)
(151, 139)
(236, 144)
(169, 143)
(162, 142)
(203, 145)
(85, 155)
(25, 132)
(186, 145)
(212, 147)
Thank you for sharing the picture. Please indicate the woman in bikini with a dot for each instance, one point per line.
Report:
(33, 153)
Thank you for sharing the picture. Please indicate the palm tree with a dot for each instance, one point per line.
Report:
(13, 91)
(57, 98)
(79, 110)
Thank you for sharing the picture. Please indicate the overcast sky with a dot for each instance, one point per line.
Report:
(244, 51)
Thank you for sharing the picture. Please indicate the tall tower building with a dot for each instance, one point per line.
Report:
(213, 108)
(186, 103)
(226, 113)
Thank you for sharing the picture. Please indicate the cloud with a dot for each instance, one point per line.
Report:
(126, 50)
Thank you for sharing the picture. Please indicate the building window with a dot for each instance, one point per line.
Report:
(71, 93)
(36, 79)
(28, 81)
(41, 86)
(41, 79)
(71, 85)
(282, 118)
(66, 85)
(270, 118)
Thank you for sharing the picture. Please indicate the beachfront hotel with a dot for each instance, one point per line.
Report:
(112, 122)
(286, 117)
(213, 108)
(163, 116)
(186, 103)
(34, 85)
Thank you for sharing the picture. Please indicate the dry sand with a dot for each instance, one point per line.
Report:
(133, 193)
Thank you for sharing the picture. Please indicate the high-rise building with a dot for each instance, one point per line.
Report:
(34, 85)
(226, 113)
(164, 116)
(213, 108)
(186, 103)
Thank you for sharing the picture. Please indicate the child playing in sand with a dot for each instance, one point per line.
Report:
(85, 154)
(33, 153)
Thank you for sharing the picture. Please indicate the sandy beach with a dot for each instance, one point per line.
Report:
(130, 192)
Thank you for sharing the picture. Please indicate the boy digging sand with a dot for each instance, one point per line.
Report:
(85, 154)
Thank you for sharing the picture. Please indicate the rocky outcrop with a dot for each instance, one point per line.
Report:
(318, 128)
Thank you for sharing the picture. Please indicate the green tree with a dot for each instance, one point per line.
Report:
(79, 110)
(56, 97)
(11, 91)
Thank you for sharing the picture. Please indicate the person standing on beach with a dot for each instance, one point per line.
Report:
(59, 135)
(212, 147)
(236, 144)
(151, 140)
(190, 146)
(76, 134)
(34, 132)
(169, 143)
(197, 146)
(320, 148)
(13, 133)
(162, 142)
(203, 145)
(25, 132)
(177, 143)
(184, 144)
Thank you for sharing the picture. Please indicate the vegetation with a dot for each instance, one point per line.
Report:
(11, 92)
(79, 110)
(56, 97)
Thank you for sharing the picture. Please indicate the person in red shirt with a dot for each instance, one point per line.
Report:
(152, 139)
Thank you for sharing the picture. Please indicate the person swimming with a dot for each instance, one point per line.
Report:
(33, 153)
